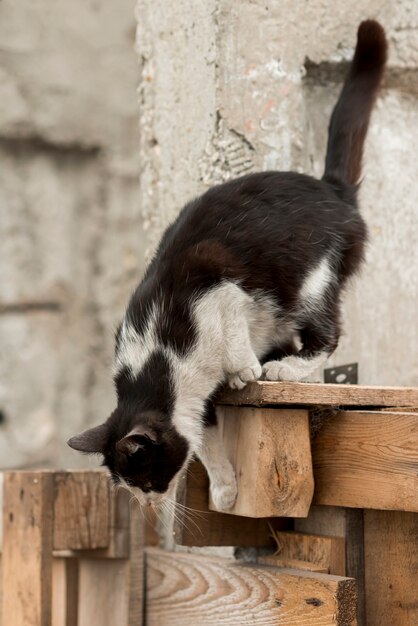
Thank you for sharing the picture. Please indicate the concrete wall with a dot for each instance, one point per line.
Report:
(229, 87)
(71, 233)
(225, 88)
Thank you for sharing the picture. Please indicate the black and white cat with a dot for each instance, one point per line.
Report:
(247, 268)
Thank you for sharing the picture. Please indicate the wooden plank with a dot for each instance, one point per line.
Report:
(325, 552)
(276, 561)
(65, 592)
(391, 558)
(135, 567)
(346, 523)
(103, 596)
(271, 453)
(202, 527)
(186, 589)
(368, 460)
(262, 393)
(111, 589)
(81, 510)
(27, 548)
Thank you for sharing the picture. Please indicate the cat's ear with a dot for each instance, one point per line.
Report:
(92, 441)
(136, 439)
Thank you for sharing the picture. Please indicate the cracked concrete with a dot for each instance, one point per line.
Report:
(233, 87)
(70, 227)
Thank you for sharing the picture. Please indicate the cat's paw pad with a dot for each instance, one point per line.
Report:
(244, 376)
(280, 370)
(224, 494)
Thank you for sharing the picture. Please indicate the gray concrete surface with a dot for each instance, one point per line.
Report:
(92, 170)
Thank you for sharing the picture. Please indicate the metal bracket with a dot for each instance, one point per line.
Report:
(343, 374)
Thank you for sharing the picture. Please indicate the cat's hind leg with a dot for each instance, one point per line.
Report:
(319, 337)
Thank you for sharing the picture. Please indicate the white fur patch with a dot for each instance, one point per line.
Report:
(293, 368)
(316, 282)
(134, 348)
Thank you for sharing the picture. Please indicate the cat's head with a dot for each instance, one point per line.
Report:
(141, 450)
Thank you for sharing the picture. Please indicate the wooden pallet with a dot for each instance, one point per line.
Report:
(72, 551)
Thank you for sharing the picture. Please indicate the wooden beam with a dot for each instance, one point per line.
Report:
(263, 393)
(270, 451)
(391, 559)
(186, 589)
(81, 510)
(206, 528)
(27, 548)
(325, 552)
(368, 460)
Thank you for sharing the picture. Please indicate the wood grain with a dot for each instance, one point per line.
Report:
(185, 590)
(271, 453)
(325, 552)
(368, 459)
(207, 528)
(81, 510)
(346, 523)
(65, 592)
(27, 549)
(276, 561)
(391, 560)
(263, 393)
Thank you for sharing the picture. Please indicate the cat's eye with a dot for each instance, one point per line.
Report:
(147, 485)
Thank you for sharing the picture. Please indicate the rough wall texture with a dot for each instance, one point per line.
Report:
(228, 87)
(69, 222)
(225, 87)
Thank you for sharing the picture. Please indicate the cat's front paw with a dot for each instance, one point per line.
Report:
(239, 379)
(224, 494)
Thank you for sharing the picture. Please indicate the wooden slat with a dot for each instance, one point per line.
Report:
(27, 549)
(271, 453)
(135, 567)
(276, 561)
(391, 558)
(185, 590)
(368, 460)
(81, 510)
(346, 523)
(207, 528)
(65, 592)
(325, 552)
(103, 592)
(263, 392)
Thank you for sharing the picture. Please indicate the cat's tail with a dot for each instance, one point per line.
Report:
(351, 115)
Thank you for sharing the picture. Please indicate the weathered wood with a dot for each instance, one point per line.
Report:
(276, 561)
(102, 592)
(368, 460)
(263, 393)
(135, 567)
(325, 552)
(206, 528)
(185, 589)
(391, 559)
(348, 524)
(27, 549)
(271, 454)
(65, 592)
(81, 510)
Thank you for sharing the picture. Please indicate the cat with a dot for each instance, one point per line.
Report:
(245, 283)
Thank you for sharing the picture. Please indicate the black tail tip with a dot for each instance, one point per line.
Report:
(371, 50)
